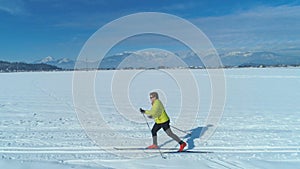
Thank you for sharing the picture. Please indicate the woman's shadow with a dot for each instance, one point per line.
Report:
(195, 133)
(191, 135)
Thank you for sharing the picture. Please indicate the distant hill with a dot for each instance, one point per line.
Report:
(24, 67)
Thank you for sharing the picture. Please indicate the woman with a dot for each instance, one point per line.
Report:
(162, 120)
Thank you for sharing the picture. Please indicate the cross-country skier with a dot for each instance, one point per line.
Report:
(158, 113)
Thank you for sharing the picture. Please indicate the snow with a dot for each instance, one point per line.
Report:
(47, 59)
(64, 60)
(37, 165)
(260, 127)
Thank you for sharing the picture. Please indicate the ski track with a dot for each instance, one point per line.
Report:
(57, 150)
(38, 123)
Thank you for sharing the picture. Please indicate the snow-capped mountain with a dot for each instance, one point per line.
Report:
(64, 63)
(149, 59)
(47, 59)
(241, 59)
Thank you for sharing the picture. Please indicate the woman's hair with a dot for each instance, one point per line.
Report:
(155, 94)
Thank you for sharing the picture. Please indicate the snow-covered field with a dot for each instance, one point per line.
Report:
(260, 127)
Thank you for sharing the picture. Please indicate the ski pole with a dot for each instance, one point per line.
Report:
(162, 156)
(188, 133)
(146, 121)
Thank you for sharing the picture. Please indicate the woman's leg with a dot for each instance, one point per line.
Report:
(154, 131)
(173, 136)
(167, 129)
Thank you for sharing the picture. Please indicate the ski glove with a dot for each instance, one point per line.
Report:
(142, 110)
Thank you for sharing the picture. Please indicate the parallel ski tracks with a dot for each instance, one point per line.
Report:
(96, 150)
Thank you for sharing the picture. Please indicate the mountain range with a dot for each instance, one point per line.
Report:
(163, 59)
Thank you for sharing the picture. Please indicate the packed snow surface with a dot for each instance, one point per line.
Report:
(260, 126)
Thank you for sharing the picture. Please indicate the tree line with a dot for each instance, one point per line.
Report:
(25, 67)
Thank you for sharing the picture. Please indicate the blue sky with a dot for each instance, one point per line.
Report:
(34, 29)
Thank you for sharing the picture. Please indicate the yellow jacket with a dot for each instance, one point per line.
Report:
(158, 112)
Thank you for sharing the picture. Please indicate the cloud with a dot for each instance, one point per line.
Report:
(179, 6)
(262, 27)
(14, 7)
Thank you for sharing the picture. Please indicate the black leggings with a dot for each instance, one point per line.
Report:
(157, 127)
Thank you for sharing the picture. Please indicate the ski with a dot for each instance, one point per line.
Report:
(164, 150)
(188, 151)
(142, 148)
